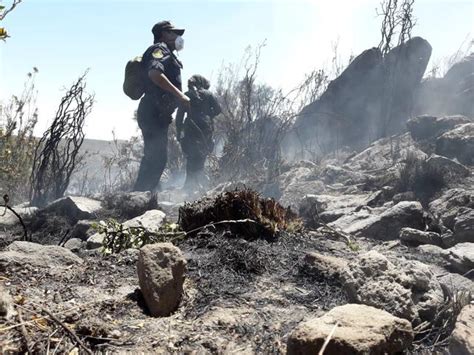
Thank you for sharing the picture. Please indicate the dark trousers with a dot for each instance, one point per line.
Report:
(154, 126)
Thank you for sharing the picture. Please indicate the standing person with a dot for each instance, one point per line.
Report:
(198, 128)
(162, 75)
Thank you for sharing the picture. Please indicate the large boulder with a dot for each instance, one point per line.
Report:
(458, 143)
(36, 255)
(359, 329)
(131, 204)
(462, 339)
(9, 219)
(449, 169)
(74, 208)
(371, 98)
(452, 94)
(384, 226)
(409, 290)
(160, 270)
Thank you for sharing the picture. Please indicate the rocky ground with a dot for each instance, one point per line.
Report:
(383, 264)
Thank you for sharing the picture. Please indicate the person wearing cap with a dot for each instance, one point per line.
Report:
(198, 127)
(162, 75)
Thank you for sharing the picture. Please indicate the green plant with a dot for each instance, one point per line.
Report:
(118, 237)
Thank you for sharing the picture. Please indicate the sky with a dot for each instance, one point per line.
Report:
(64, 38)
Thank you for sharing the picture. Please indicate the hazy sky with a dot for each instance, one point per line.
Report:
(64, 38)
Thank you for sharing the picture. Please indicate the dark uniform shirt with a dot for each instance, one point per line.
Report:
(159, 57)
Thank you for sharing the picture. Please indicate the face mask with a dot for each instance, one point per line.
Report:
(179, 43)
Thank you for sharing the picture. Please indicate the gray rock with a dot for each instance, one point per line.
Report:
(74, 207)
(461, 257)
(450, 170)
(462, 339)
(74, 244)
(10, 220)
(464, 226)
(408, 291)
(36, 255)
(82, 230)
(151, 220)
(388, 334)
(327, 265)
(458, 143)
(161, 276)
(386, 225)
(131, 204)
(416, 237)
(95, 241)
(6, 303)
(404, 196)
(447, 207)
(434, 251)
(294, 193)
(427, 127)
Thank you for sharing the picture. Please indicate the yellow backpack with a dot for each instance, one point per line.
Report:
(134, 83)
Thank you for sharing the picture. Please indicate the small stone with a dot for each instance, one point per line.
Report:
(416, 237)
(327, 265)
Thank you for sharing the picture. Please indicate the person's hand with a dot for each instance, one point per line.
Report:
(185, 102)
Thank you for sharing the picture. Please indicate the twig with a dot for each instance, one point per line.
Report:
(24, 333)
(69, 331)
(6, 12)
(5, 200)
(326, 342)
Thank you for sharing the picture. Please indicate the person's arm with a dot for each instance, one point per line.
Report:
(214, 106)
(160, 79)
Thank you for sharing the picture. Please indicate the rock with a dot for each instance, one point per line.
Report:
(464, 226)
(450, 170)
(82, 230)
(295, 192)
(131, 204)
(447, 207)
(160, 270)
(434, 251)
(458, 143)
(388, 224)
(6, 303)
(355, 99)
(36, 255)
(452, 94)
(404, 196)
(74, 207)
(74, 244)
(151, 220)
(416, 237)
(335, 174)
(380, 154)
(462, 339)
(95, 241)
(10, 220)
(447, 239)
(461, 257)
(409, 290)
(327, 207)
(361, 330)
(327, 265)
(427, 127)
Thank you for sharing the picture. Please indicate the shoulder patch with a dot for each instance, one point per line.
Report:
(157, 53)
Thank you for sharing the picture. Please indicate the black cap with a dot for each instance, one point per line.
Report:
(165, 26)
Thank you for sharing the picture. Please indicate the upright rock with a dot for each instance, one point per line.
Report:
(161, 276)
(360, 330)
(462, 339)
